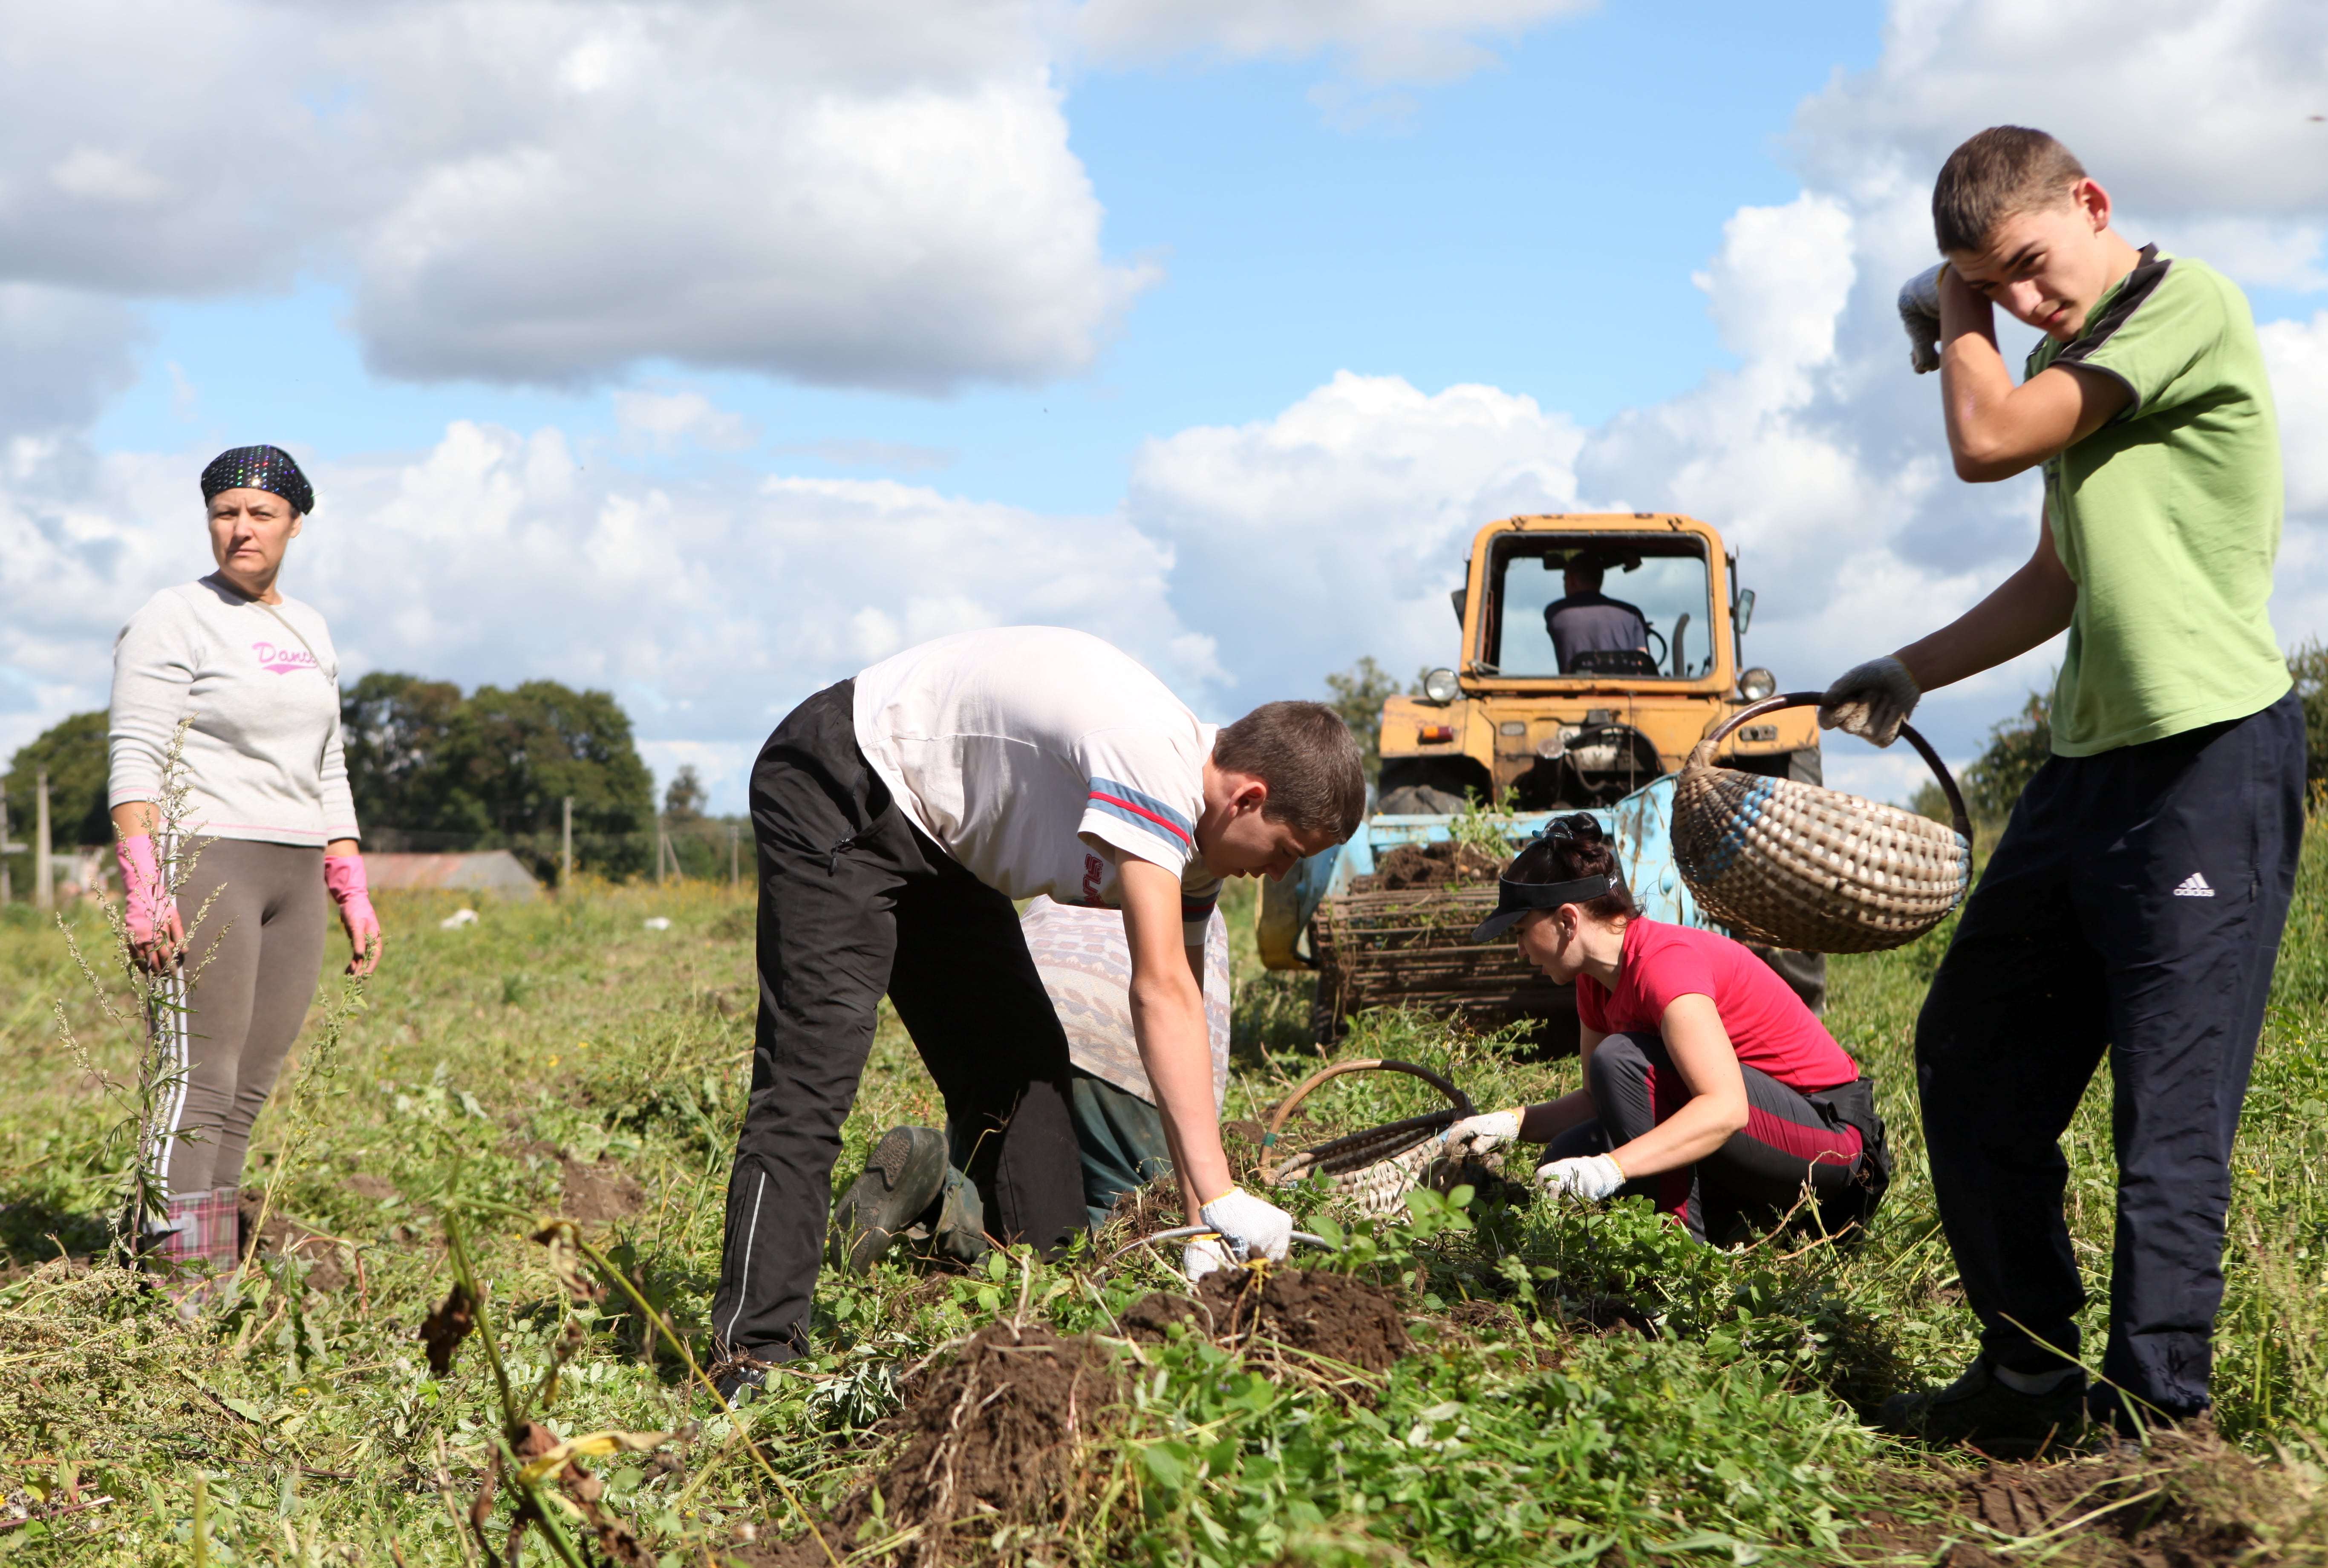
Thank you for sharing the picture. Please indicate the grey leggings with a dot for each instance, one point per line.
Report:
(229, 1031)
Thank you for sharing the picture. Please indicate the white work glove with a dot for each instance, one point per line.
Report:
(1249, 1225)
(1592, 1178)
(1919, 313)
(1872, 700)
(1481, 1135)
(1202, 1256)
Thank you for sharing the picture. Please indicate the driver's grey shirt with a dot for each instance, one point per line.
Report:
(1583, 622)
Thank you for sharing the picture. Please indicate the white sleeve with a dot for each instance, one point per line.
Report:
(339, 806)
(153, 671)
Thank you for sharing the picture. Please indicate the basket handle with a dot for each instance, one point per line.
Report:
(1285, 1107)
(1963, 823)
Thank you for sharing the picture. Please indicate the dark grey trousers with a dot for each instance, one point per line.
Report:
(855, 902)
(259, 951)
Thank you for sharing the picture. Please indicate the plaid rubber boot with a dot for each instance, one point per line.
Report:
(222, 1245)
(177, 1241)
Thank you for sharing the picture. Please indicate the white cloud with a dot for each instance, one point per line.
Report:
(709, 609)
(2177, 108)
(869, 194)
(1337, 528)
(2297, 353)
(65, 354)
(666, 421)
(1379, 41)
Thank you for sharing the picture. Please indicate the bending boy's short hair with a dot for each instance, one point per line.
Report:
(2005, 170)
(1307, 756)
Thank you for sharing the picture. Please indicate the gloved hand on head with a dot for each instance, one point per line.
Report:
(1919, 314)
(1249, 1226)
(1872, 700)
(1592, 1178)
(1477, 1136)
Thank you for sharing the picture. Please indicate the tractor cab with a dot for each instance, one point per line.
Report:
(1595, 650)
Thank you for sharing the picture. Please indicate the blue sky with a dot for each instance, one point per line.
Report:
(1533, 226)
(734, 345)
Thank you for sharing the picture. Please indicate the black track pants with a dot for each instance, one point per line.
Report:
(2134, 906)
(1751, 1180)
(854, 902)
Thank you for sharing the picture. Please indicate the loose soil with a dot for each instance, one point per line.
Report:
(283, 1235)
(1328, 1316)
(2185, 1501)
(994, 1437)
(1441, 865)
(599, 1192)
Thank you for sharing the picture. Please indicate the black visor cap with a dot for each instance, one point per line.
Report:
(1515, 899)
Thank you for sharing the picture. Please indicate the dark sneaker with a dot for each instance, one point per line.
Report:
(1979, 1410)
(903, 1177)
(742, 1385)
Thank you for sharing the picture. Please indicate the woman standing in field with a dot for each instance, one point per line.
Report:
(1710, 1088)
(267, 832)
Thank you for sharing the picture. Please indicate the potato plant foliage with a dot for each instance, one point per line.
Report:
(1586, 1386)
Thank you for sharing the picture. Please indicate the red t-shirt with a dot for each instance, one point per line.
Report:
(1767, 1023)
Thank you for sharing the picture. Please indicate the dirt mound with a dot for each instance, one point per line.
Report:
(1330, 1316)
(996, 1436)
(1441, 864)
(375, 1188)
(2186, 1501)
(599, 1192)
(282, 1236)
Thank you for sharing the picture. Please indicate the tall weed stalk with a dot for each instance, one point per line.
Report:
(154, 999)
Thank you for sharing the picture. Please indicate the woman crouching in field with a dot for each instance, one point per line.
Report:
(1708, 1087)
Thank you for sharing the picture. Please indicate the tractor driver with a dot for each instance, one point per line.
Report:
(1588, 620)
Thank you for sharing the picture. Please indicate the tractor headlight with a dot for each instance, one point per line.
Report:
(1441, 686)
(1756, 683)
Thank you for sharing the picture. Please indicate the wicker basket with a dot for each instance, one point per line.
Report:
(1796, 866)
(1375, 1169)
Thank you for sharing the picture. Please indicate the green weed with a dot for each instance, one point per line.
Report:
(1589, 1386)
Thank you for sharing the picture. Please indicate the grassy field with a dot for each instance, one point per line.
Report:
(565, 1059)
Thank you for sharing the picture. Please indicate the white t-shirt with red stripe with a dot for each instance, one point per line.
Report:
(1037, 757)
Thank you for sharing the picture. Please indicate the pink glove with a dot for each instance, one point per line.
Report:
(344, 875)
(146, 908)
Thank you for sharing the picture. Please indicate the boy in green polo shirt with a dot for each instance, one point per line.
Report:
(2133, 907)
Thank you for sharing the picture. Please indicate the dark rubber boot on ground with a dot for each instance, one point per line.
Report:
(959, 1234)
(1979, 1410)
(903, 1178)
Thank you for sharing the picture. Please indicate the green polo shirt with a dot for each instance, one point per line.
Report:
(2168, 517)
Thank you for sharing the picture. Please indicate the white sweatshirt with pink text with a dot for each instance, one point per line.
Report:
(263, 755)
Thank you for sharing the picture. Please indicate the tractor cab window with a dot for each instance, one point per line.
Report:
(1636, 605)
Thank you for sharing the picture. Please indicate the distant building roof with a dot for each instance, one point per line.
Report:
(493, 871)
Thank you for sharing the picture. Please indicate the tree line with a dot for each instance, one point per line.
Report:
(433, 769)
(430, 769)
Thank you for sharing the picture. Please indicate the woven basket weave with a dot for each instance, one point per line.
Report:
(1796, 866)
(1375, 1169)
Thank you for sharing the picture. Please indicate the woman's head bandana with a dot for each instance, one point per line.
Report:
(267, 468)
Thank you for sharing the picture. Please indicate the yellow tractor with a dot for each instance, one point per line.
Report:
(1597, 650)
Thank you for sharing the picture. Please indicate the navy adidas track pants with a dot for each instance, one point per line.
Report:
(2133, 907)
